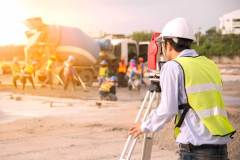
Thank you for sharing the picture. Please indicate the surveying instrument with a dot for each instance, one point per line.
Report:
(152, 95)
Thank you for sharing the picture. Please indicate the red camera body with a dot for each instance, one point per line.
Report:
(153, 51)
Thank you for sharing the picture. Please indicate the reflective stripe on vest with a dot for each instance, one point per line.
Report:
(203, 86)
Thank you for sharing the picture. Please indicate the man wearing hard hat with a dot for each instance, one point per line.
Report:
(49, 70)
(107, 90)
(191, 92)
(16, 71)
(69, 72)
(27, 73)
(103, 72)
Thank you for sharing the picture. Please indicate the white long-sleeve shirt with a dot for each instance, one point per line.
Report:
(172, 95)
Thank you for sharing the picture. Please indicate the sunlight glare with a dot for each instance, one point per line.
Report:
(11, 28)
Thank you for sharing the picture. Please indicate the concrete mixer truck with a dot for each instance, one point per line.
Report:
(45, 40)
(62, 41)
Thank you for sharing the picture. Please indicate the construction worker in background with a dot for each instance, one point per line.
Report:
(122, 69)
(103, 72)
(69, 72)
(133, 75)
(141, 70)
(16, 71)
(107, 90)
(27, 73)
(50, 70)
(191, 90)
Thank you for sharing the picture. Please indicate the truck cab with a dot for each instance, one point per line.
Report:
(124, 49)
(143, 49)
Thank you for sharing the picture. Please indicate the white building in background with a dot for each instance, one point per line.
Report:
(230, 23)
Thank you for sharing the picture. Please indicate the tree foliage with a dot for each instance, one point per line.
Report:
(141, 36)
(213, 43)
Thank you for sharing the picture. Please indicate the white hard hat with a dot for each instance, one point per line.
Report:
(178, 28)
(71, 58)
(113, 79)
(103, 62)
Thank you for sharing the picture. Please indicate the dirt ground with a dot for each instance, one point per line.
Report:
(45, 124)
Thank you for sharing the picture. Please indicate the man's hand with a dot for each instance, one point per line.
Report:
(135, 131)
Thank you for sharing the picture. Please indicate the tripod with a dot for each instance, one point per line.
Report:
(147, 104)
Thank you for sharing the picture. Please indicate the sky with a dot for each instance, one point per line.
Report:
(110, 16)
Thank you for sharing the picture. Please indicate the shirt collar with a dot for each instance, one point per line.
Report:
(188, 53)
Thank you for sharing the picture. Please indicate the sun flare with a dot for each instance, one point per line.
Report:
(11, 25)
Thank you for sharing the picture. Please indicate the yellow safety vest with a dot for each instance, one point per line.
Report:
(16, 69)
(122, 68)
(103, 71)
(106, 86)
(203, 86)
(140, 68)
(49, 65)
(29, 69)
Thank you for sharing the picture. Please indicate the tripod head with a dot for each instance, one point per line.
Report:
(154, 77)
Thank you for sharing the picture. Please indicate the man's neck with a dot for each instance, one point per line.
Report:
(175, 54)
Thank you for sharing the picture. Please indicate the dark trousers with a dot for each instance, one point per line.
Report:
(15, 79)
(107, 96)
(203, 152)
(122, 80)
(24, 79)
(49, 78)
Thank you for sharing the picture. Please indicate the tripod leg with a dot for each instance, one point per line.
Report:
(81, 81)
(131, 145)
(147, 147)
(149, 106)
(130, 138)
(131, 149)
(131, 141)
(126, 146)
(148, 138)
(59, 79)
(148, 109)
(148, 94)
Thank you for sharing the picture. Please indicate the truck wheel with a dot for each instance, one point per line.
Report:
(87, 77)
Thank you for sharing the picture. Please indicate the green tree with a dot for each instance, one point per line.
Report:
(141, 36)
(213, 43)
